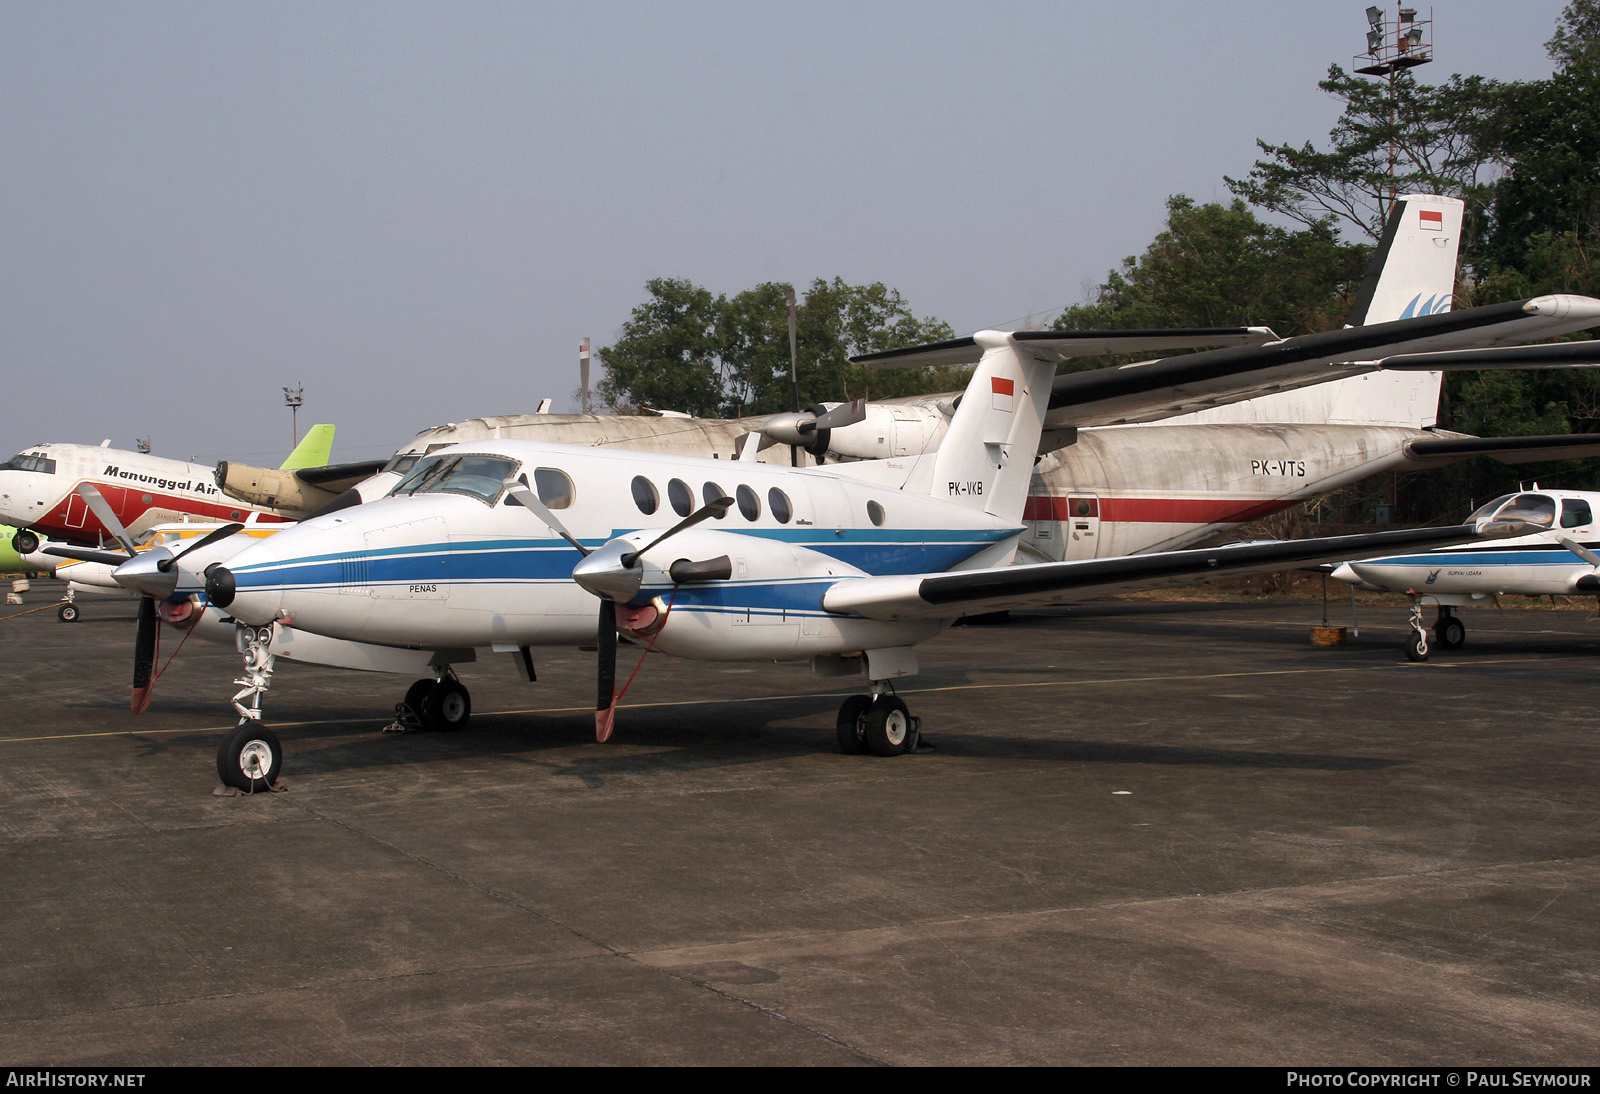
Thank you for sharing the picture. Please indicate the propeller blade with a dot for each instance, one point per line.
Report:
(104, 514)
(712, 509)
(529, 500)
(605, 710)
(204, 541)
(144, 655)
(1581, 551)
(87, 554)
(842, 415)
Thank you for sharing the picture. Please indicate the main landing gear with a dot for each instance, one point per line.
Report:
(878, 723)
(1448, 632)
(442, 704)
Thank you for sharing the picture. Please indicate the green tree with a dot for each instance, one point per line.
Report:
(1442, 139)
(1218, 265)
(731, 354)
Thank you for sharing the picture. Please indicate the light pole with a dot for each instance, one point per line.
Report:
(292, 398)
(1393, 47)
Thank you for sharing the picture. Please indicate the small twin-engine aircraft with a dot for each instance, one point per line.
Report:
(39, 490)
(849, 566)
(1557, 557)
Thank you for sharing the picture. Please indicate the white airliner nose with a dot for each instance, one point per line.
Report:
(248, 588)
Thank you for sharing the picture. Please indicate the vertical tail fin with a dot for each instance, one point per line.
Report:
(1413, 271)
(313, 450)
(986, 458)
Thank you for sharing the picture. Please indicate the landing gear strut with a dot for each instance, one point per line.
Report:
(250, 757)
(1417, 640)
(878, 723)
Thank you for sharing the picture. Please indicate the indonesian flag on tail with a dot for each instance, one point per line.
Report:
(1431, 220)
(1004, 394)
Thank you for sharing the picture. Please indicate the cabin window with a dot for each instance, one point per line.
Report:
(711, 492)
(25, 462)
(681, 498)
(749, 504)
(1575, 513)
(875, 514)
(553, 487)
(1484, 511)
(778, 506)
(645, 495)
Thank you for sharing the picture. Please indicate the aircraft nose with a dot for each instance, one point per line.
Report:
(1346, 573)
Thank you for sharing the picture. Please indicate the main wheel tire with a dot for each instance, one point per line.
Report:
(447, 706)
(25, 542)
(1451, 632)
(1417, 646)
(853, 724)
(889, 730)
(67, 613)
(417, 695)
(250, 758)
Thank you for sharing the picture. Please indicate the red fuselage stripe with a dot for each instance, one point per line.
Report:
(1159, 510)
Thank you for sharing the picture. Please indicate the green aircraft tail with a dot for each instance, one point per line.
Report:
(313, 450)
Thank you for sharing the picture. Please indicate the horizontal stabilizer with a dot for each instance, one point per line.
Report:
(1512, 450)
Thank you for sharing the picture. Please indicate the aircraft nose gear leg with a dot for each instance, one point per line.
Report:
(250, 757)
(1417, 641)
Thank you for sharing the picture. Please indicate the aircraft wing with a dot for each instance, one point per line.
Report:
(1250, 366)
(1438, 451)
(1178, 385)
(339, 477)
(969, 592)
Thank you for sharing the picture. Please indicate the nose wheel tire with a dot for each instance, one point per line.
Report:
(250, 758)
(1417, 646)
(447, 706)
(890, 729)
(67, 613)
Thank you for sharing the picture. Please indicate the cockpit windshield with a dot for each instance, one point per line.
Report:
(1535, 509)
(26, 462)
(401, 462)
(1483, 512)
(479, 476)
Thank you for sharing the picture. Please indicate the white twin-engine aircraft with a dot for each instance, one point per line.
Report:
(507, 545)
(1556, 558)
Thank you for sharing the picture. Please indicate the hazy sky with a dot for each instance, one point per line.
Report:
(416, 210)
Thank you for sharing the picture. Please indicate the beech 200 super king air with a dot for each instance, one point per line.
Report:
(511, 545)
(39, 490)
(1558, 558)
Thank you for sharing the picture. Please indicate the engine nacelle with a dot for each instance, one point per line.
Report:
(270, 488)
(888, 430)
(769, 608)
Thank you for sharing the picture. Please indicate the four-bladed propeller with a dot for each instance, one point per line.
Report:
(808, 429)
(613, 574)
